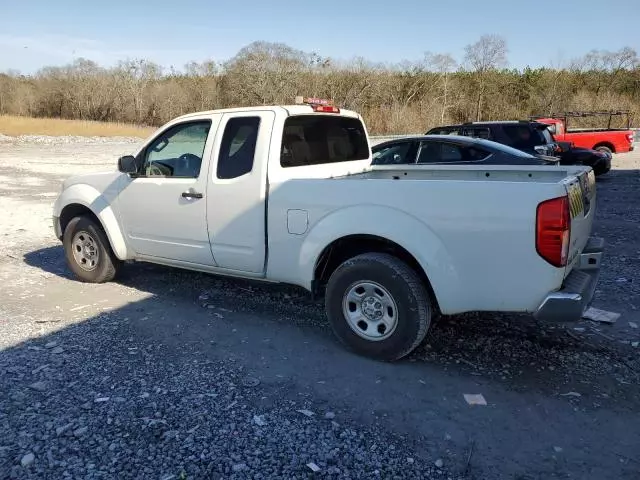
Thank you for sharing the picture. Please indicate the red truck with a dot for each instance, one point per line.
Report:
(610, 140)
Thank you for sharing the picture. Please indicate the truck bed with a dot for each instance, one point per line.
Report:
(464, 223)
(497, 173)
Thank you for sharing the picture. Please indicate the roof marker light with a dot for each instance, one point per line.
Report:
(318, 104)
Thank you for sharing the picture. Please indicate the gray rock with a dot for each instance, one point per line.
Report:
(239, 467)
(27, 459)
(38, 386)
(57, 350)
(78, 432)
(439, 463)
(250, 382)
(329, 415)
(63, 429)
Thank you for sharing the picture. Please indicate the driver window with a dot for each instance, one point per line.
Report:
(178, 151)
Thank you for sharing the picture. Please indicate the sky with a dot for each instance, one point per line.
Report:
(37, 33)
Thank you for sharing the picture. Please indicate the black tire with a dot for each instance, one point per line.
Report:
(603, 148)
(107, 264)
(413, 314)
(600, 171)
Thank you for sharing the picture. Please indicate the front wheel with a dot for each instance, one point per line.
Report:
(88, 252)
(378, 306)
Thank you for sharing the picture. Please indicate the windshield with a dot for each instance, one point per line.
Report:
(548, 138)
(318, 139)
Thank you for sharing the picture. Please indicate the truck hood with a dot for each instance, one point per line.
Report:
(101, 181)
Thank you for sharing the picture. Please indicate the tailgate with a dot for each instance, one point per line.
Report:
(581, 190)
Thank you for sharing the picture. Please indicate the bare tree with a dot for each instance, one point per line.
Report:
(444, 65)
(483, 57)
(264, 72)
(402, 97)
(136, 78)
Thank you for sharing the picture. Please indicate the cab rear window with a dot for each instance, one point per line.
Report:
(319, 139)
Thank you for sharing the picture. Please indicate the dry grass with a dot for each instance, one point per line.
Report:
(14, 125)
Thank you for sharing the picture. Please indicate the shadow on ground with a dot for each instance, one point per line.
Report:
(277, 335)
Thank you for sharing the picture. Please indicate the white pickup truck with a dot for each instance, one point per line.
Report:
(287, 194)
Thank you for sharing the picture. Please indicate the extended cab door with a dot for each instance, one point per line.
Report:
(163, 207)
(237, 194)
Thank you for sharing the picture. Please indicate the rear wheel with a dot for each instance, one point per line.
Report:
(88, 252)
(378, 306)
(604, 148)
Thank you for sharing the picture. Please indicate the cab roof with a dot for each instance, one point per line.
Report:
(289, 109)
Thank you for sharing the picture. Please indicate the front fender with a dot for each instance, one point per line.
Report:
(394, 225)
(91, 198)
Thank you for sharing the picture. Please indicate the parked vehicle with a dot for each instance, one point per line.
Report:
(530, 137)
(608, 140)
(288, 194)
(452, 150)
(599, 160)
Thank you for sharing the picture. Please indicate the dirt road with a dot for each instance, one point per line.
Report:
(171, 374)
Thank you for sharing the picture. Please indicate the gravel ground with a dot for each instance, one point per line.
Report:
(168, 374)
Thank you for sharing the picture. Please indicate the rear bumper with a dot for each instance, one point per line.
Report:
(569, 303)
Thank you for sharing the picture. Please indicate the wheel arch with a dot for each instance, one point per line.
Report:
(349, 246)
(78, 202)
(382, 227)
(73, 210)
(607, 144)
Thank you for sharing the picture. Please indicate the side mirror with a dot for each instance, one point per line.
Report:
(540, 149)
(128, 164)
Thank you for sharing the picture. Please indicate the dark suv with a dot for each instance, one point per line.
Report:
(531, 137)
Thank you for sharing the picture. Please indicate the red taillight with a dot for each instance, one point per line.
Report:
(553, 229)
(325, 109)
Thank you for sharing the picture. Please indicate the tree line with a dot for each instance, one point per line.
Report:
(408, 97)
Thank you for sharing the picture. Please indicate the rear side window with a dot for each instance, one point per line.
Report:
(320, 139)
(476, 154)
(441, 152)
(438, 152)
(444, 131)
(238, 147)
(477, 133)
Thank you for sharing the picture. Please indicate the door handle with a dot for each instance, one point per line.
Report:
(191, 195)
